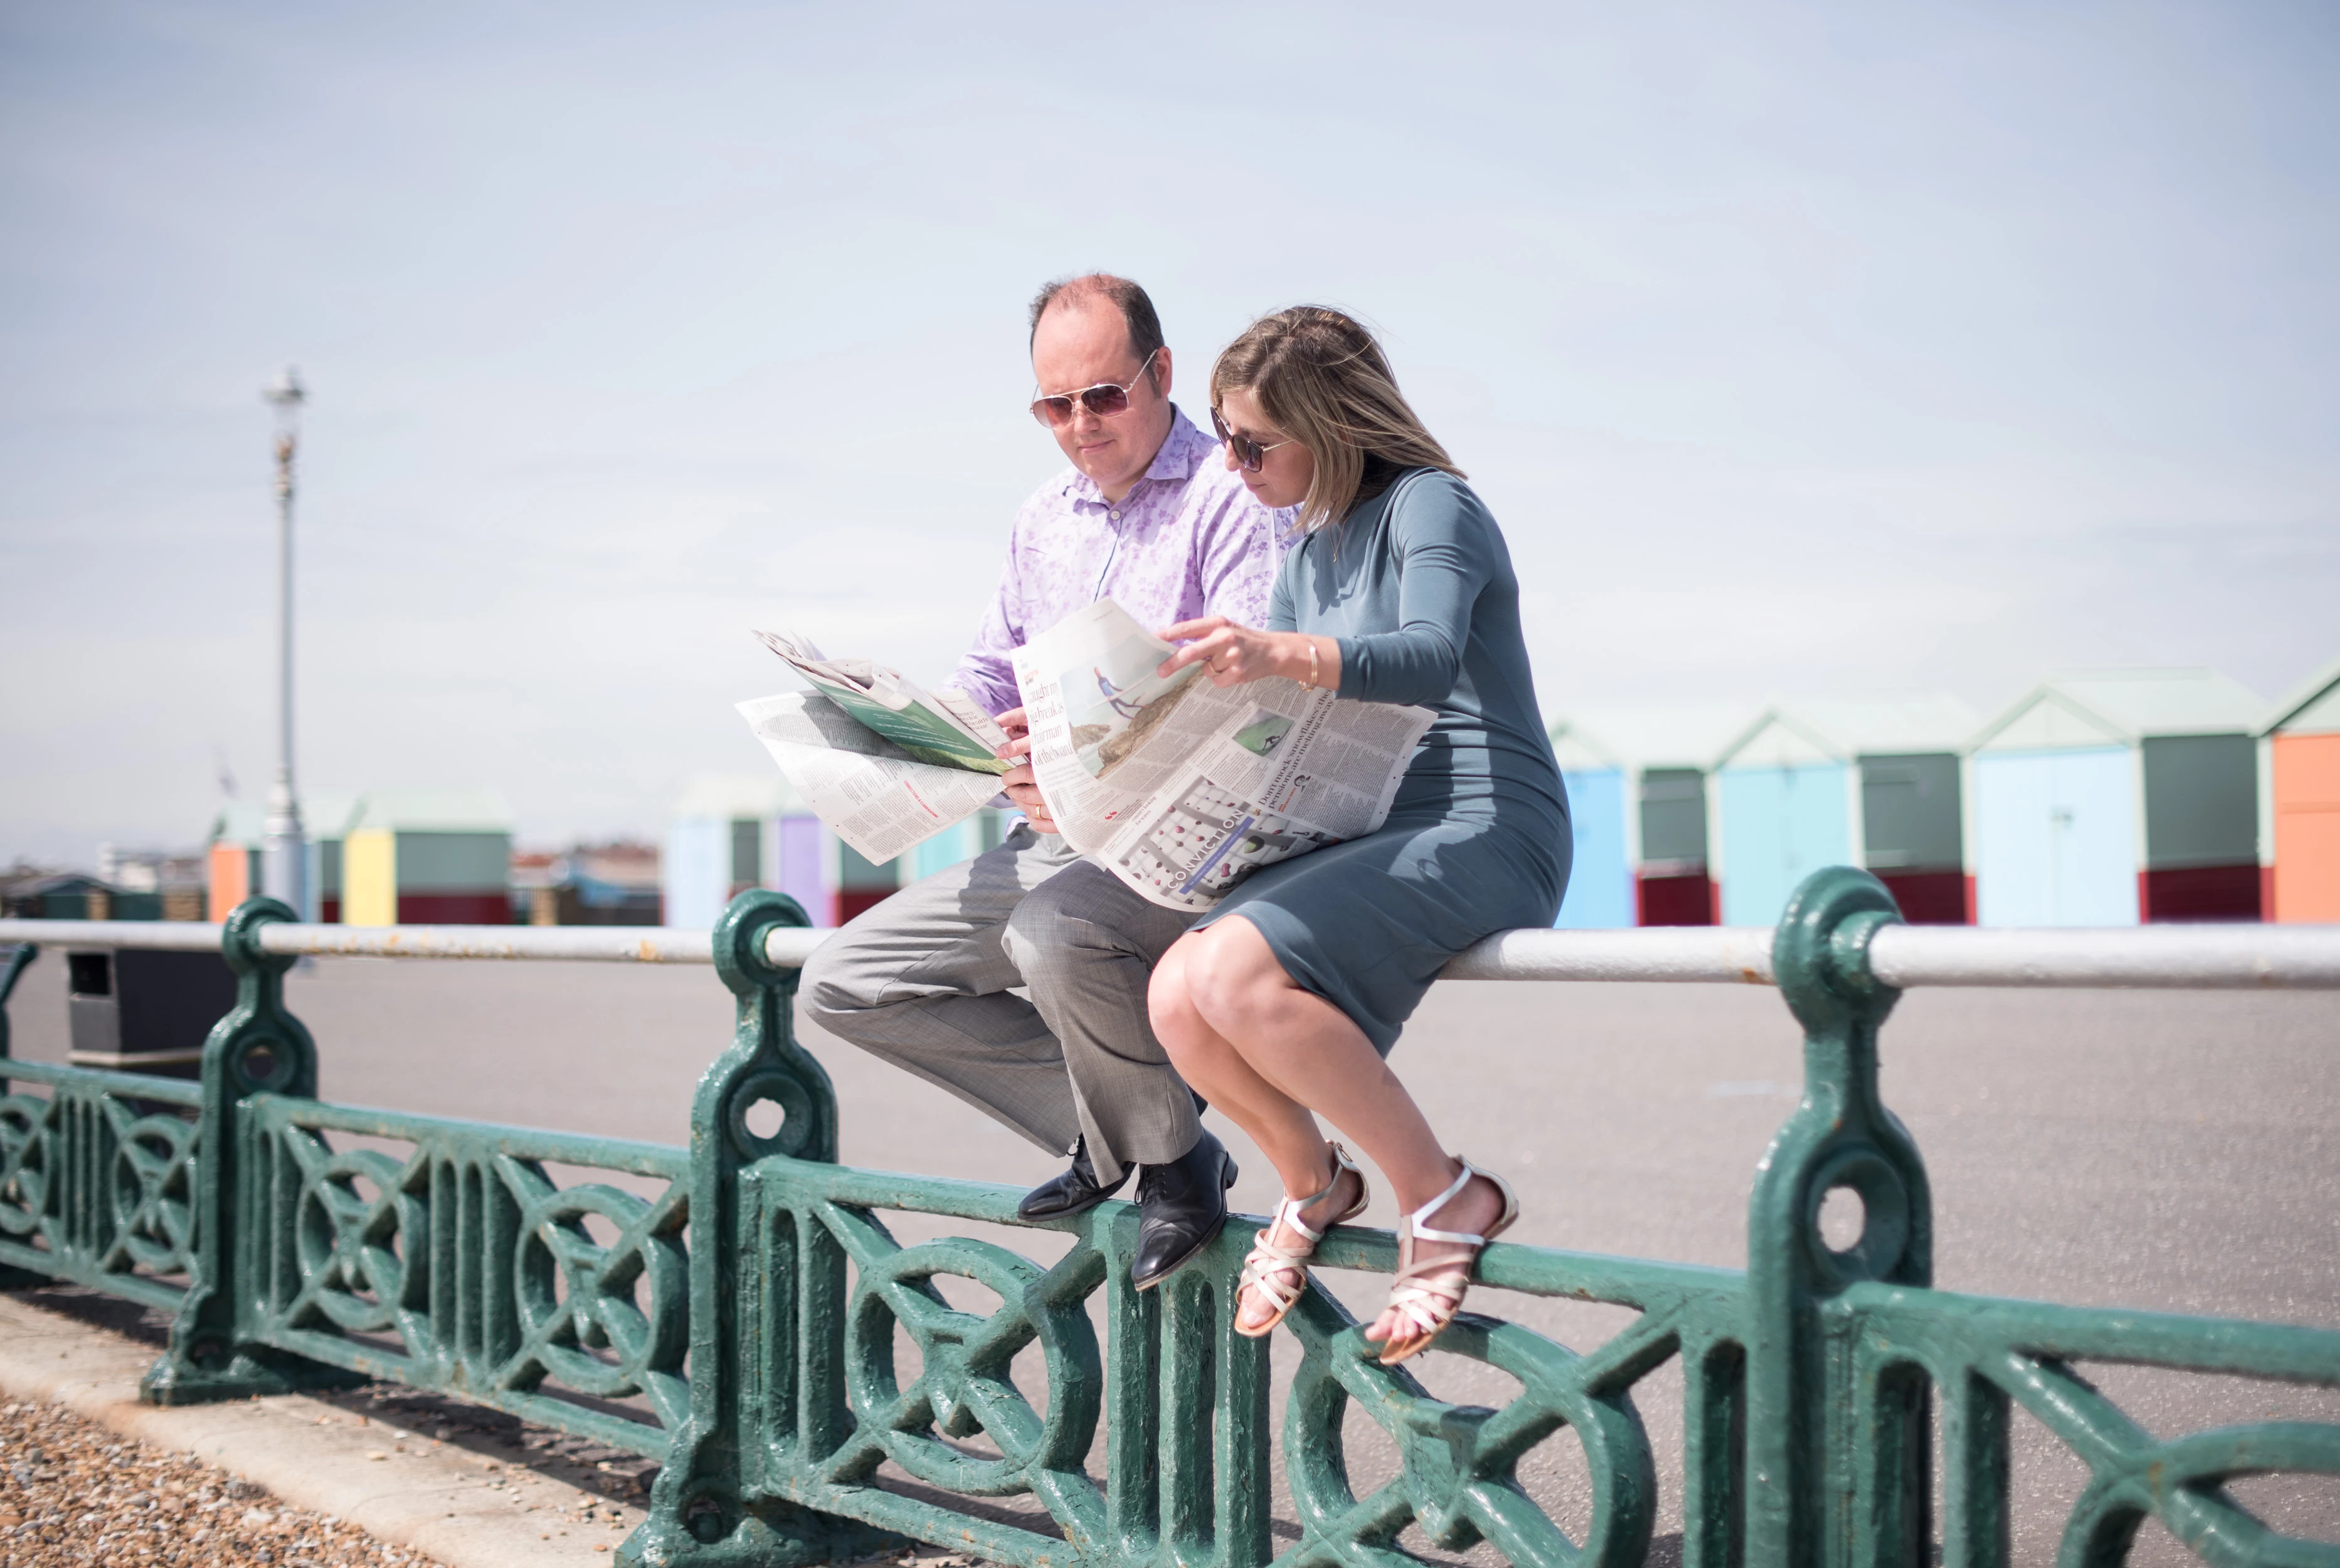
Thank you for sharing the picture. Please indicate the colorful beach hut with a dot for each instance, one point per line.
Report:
(730, 832)
(2299, 772)
(231, 859)
(427, 857)
(2110, 799)
(1601, 877)
(1867, 780)
(1637, 793)
(326, 819)
(232, 863)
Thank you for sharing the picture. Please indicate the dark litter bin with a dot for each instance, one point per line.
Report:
(144, 1012)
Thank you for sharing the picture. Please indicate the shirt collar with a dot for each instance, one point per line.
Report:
(1182, 452)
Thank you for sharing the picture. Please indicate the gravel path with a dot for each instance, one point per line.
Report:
(75, 1493)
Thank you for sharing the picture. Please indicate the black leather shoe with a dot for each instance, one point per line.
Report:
(1077, 1190)
(1182, 1207)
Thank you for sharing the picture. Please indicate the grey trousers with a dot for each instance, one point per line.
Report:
(923, 981)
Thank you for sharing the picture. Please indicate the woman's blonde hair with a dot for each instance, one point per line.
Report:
(1324, 382)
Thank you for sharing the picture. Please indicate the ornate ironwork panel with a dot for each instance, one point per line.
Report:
(1184, 1408)
(96, 1181)
(1982, 1356)
(459, 1265)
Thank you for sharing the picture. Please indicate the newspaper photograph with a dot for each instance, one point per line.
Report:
(945, 728)
(879, 795)
(1182, 788)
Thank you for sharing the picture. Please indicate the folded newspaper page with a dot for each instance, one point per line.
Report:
(875, 795)
(1182, 788)
(945, 728)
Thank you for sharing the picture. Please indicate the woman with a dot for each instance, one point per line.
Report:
(1282, 1002)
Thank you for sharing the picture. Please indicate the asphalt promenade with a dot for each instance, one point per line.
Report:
(2171, 1151)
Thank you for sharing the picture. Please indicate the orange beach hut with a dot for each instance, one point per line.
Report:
(2300, 751)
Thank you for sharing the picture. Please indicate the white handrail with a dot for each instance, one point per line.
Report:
(2190, 958)
(1712, 955)
(2208, 958)
(592, 944)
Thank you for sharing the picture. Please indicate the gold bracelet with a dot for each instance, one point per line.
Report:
(1310, 684)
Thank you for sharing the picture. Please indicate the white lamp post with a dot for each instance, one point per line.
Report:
(285, 854)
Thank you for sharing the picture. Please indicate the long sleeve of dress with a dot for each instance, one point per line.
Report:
(1281, 615)
(1443, 556)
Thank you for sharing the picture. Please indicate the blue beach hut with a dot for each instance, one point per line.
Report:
(1862, 781)
(1600, 877)
(1637, 787)
(2115, 798)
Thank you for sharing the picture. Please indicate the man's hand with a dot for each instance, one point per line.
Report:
(1017, 780)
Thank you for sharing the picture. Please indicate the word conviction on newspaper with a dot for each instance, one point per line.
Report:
(1178, 788)
(1181, 787)
(884, 763)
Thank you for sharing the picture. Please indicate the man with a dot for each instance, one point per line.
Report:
(1151, 518)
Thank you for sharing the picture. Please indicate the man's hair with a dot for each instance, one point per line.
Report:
(1136, 311)
(1319, 374)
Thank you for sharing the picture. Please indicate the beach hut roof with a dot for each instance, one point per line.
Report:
(728, 796)
(239, 822)
(1840, 728)
(326, 814)
(2311, 708)
(2121, 707)
(1654, 737)
(329, 815)
(461, 810)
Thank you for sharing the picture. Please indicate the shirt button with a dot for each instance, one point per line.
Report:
(1113, 515)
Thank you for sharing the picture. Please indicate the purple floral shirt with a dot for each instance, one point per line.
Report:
(1188, 540)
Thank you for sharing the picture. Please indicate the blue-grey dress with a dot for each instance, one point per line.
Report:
(1417, 585)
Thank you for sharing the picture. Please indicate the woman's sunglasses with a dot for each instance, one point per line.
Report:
(1104, 400)
(1249, 454)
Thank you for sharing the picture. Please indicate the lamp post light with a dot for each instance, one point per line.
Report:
(284, 853)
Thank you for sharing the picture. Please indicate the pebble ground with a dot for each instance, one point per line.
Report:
(72, 1492)
(75, 1493)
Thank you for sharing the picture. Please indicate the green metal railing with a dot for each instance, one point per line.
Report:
(740, 1324)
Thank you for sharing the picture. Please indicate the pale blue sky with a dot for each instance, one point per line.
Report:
(1798, 348)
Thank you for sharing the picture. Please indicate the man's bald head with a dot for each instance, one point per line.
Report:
(1104, 288)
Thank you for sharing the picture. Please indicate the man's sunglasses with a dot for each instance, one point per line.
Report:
(1104, 400)
(1249, 454)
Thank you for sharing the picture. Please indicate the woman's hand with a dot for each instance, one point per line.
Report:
(1018, 782)
(1236, 654)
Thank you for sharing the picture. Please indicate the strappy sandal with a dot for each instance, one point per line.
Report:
(1427, 1295)
(1268, 1265)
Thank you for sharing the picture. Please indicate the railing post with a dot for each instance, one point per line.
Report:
(700, 1512)
(12, 1278)
(1804, 1408)
(20, 956)
(258, 1048)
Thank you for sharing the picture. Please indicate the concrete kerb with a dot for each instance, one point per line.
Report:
(464, 1508)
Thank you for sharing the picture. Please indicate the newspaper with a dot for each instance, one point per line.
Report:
(1181, 787)
(945, 728)
(872, 792)
(884, 762)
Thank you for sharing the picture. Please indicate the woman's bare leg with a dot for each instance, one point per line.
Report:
(1284, 1129)
(1255, 1043)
